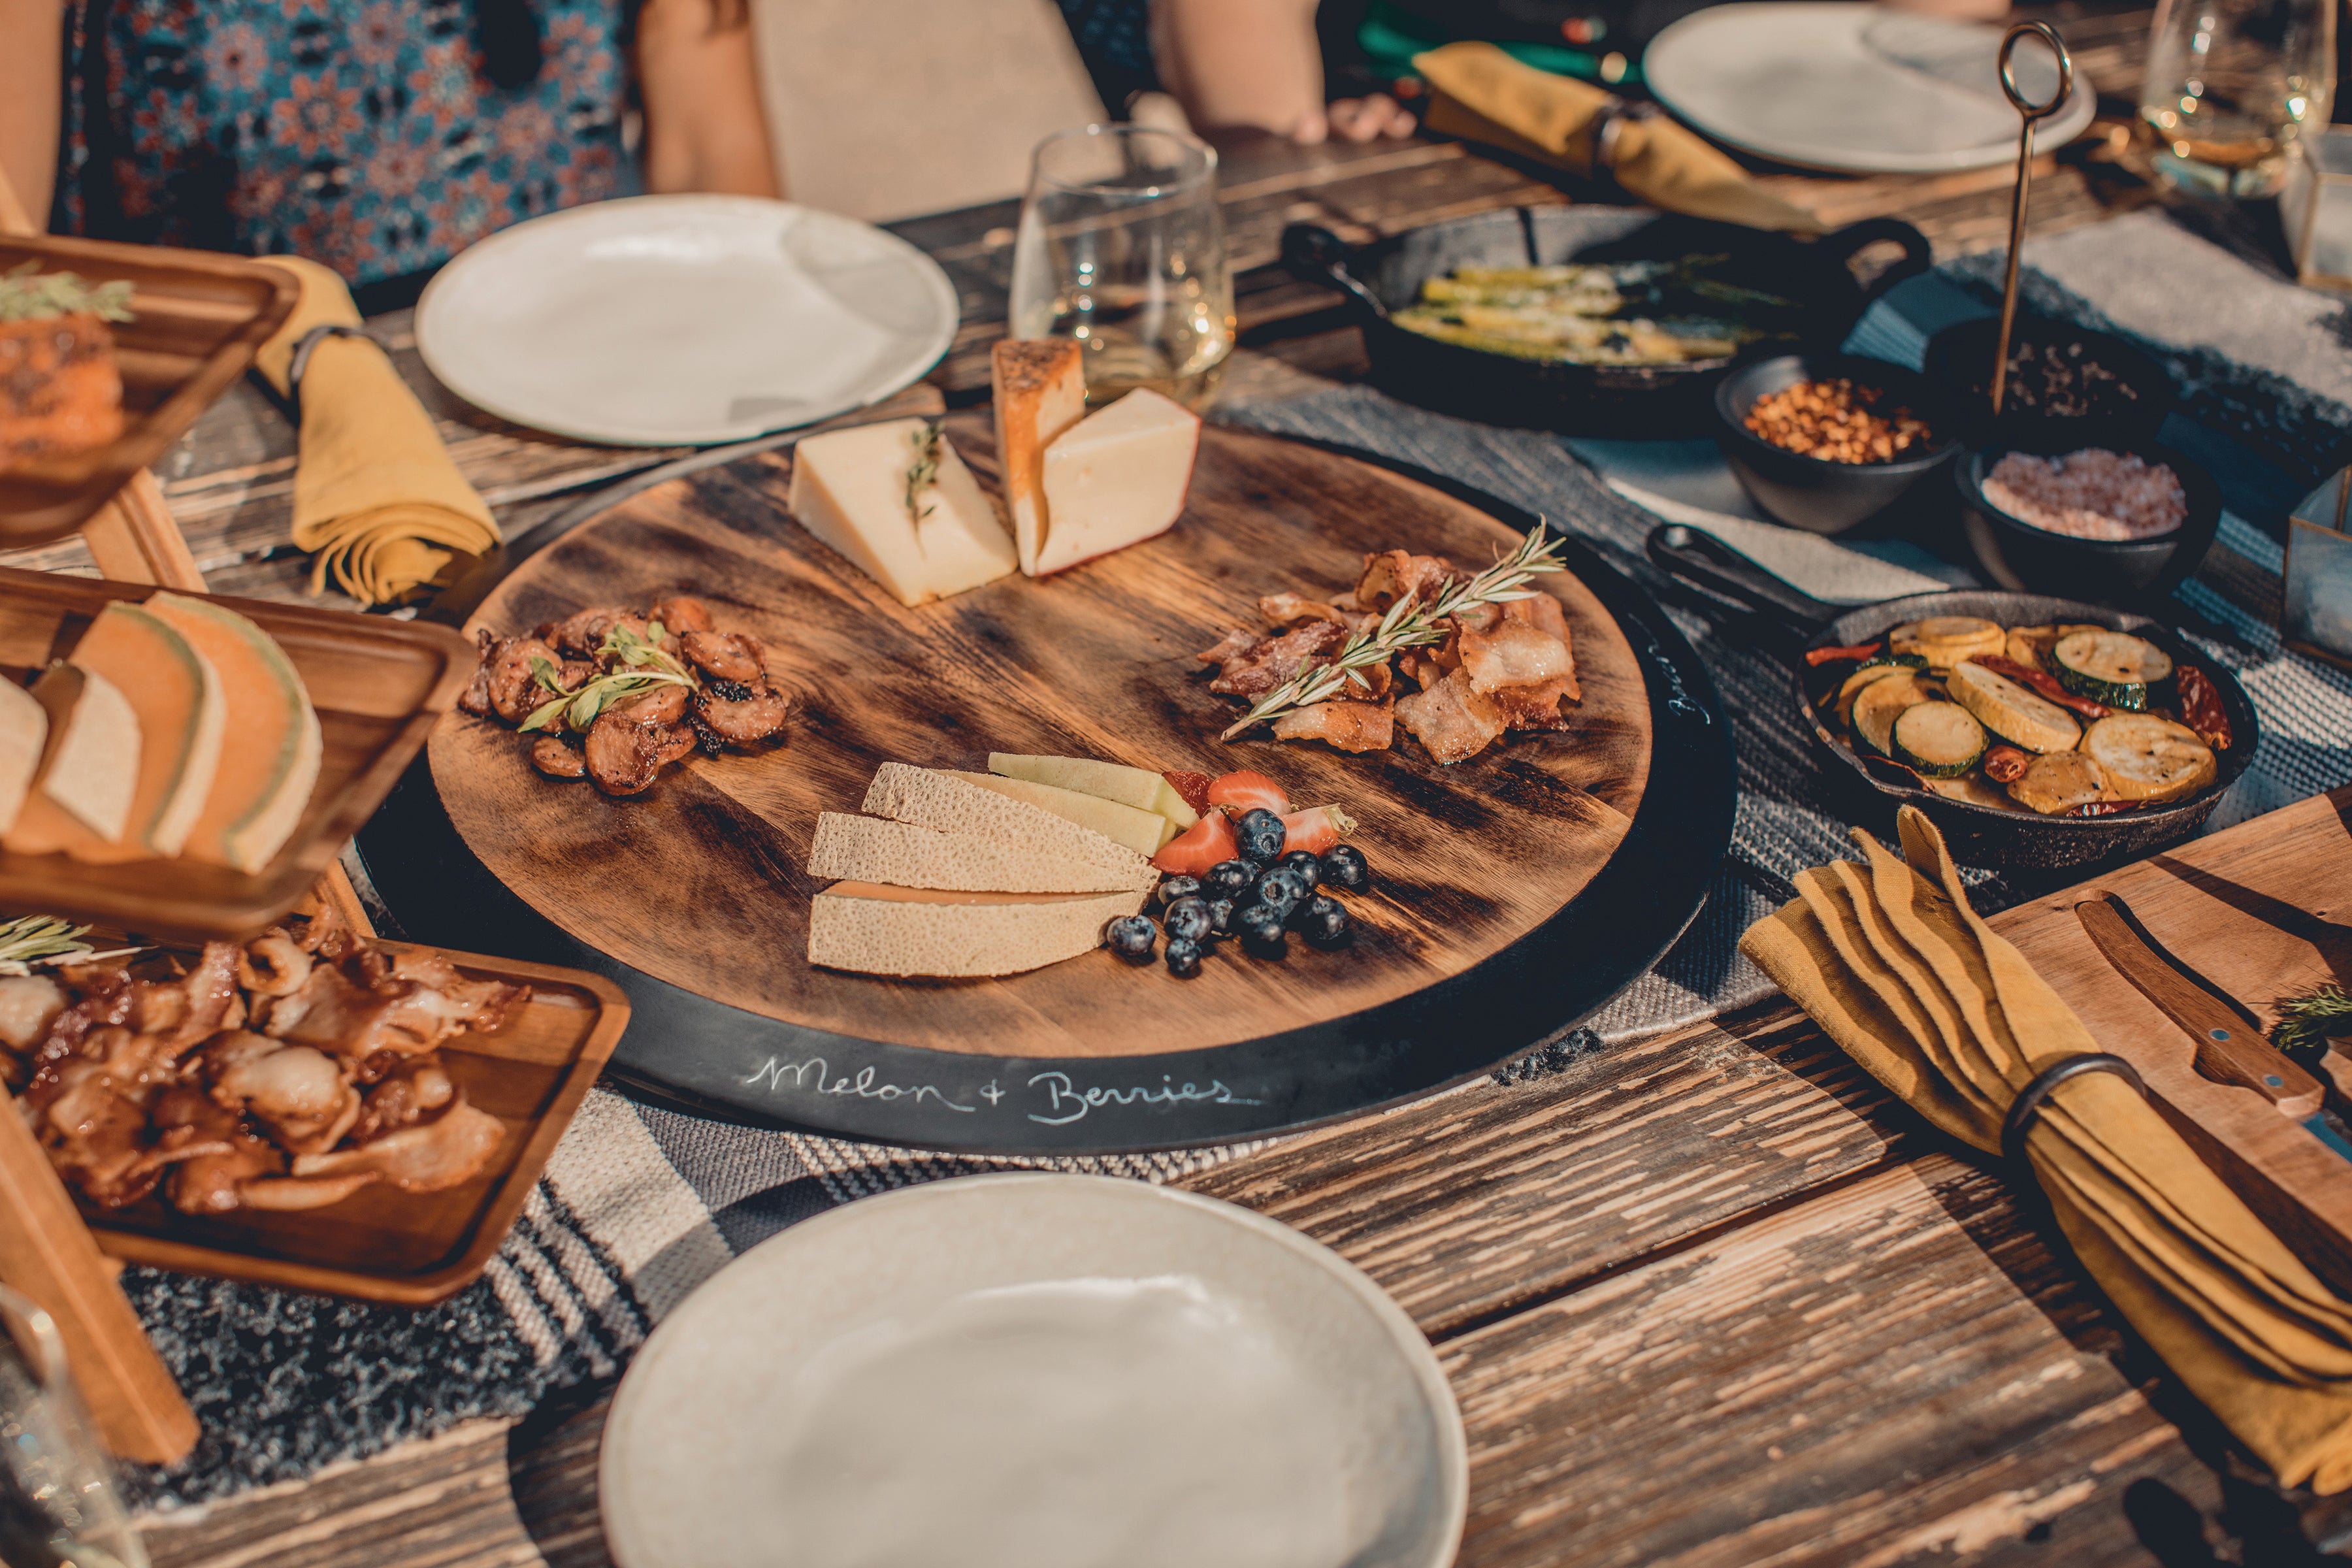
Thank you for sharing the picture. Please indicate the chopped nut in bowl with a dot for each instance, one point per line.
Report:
(1825, 442)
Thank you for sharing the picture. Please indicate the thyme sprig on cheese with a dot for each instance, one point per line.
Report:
(1408, 623)
(648, 667)
(923, 474)
(28, 294)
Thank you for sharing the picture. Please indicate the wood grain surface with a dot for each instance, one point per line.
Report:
(701, 881)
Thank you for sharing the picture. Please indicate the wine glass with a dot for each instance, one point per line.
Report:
(2230, 85)
(1122, 248)
(58, 1502)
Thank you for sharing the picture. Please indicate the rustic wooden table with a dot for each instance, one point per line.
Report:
(1710, 1297)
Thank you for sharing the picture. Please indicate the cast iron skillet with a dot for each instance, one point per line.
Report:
(1583, 399)
(1979, 834)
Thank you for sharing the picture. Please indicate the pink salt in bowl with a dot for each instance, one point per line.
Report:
(2126, 572)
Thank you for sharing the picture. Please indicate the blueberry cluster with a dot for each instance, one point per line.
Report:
(1257, 900)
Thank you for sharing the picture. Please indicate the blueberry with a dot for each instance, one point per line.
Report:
(1174, 887)
(1184, 958)
(1261, 929)
(1324, 922)
(1261, 835)
(1221, 917)
(1188, 920)
(1344, 867)
(1132, 938)
(1280, 891)
(1304, 865)
(1227, 879)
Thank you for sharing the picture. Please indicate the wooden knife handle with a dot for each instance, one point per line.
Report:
(2229, 1050)
(47, 1252)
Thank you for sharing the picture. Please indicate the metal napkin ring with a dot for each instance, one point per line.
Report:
(1613, 114)
(2026, 1108)
(300, 363)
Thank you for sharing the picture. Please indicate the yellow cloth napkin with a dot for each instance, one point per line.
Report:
(1482, 94)
(375, 495)
(1892, 963)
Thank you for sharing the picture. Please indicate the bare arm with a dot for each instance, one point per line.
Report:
(1256, 63)
(704, 127)
(29, 109)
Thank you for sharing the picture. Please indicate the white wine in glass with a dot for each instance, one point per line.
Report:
(1122, 248)
(2230, 85)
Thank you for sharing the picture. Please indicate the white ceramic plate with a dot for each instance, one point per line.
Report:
(1035, 1371)
(1855, 88)
(684, 321)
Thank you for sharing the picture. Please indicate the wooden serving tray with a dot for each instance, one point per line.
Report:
(412, 1248)
(199, 318)
(378, 684)
(1514, 892)
(2264, 911)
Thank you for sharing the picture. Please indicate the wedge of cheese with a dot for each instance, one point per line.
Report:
(89, 768)
(269, 760)
(862, 492)
(876, 930)
(177, 698)
(870, 849)
(1137, 787)
(952, 802)
(1040, 385)
(1115, 478)
(24, 736)
(1142, 831)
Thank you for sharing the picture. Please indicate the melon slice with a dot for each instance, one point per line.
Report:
(24, 736)
(269, 760)
(876, 929)
(89, 767)
(177, 699)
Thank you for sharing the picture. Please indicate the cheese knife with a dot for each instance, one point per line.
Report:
(2231, 1049)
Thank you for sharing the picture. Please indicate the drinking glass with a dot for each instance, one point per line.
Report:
(2230, 85)
(1122, 248)
(60, 1507)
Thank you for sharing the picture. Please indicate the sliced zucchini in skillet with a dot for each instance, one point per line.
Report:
(2113, 667)
(2017, 714)
(2059, 781)
(1945, 640)
(2149, 758)
(1874, 671)
(1876, 710)
(1937, 740)
(1976, 789)
(2030, 645)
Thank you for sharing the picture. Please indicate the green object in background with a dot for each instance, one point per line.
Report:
(1389, 38)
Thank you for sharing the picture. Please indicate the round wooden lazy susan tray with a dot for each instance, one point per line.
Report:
(1514, 892)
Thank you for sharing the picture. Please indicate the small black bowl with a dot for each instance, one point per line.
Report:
(1813, 493)
(2125, 573)
(2068, 386)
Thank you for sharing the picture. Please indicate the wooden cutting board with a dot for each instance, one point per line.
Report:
(700, 882)
(2262, 911)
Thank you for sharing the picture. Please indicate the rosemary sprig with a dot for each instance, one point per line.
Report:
(28, 294)
(925, 472)
(1408, 623)
(648, 666)
(32, 939)
(2305, 1022)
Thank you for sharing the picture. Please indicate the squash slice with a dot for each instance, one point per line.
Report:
(1945, 640)
(2149, 758)
(1882, 701)
(2017, 714)
(2058, 782)
(2113, 668)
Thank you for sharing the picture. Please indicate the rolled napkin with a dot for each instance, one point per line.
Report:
(1481, 94)
(1892, 963)
(377, 497)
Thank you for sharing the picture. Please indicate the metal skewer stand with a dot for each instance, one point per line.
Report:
(2031, 113)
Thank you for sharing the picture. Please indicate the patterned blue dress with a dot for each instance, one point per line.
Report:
(361, 133)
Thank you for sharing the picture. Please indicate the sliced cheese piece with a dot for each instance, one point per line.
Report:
(1137, 787)
(952, 805)
(269, 760)
(24, 736)
(871, 849)
(89, 768)
(851, 488)
(1142, 831)
(1117, 477)
(877, 930)
(177, 698)
(1040, 385)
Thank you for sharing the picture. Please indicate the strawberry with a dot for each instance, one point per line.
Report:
(1199, 847)
(1316, 829)
(1193, 788)
(1243, 791)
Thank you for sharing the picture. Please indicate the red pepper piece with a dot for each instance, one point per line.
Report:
(2200, 706)
(1818, 656)
(2040, 680)
(2005, 764)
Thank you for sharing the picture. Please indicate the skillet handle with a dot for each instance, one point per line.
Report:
(1847, 242)
(1313, 254)
(1705, 561)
